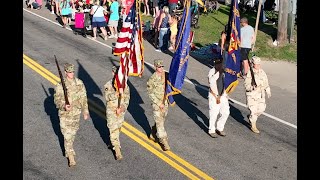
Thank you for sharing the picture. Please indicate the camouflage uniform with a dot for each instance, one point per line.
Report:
(69, 120)
(115, 122)
(218, 102)
(156, 90)
(256, 96)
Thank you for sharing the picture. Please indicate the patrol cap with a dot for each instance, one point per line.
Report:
(114, 69)
(158, 63)
(256, 60)
(69, 67)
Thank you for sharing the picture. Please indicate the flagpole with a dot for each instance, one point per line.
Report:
(256, 27)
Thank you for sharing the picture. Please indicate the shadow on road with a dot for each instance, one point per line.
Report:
(202, 92)
(237, 115)
(52, 112)
(93, 89)
(189, 107)
(137, 111)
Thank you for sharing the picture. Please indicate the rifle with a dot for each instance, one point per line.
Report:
(253, 81)
(62, 82)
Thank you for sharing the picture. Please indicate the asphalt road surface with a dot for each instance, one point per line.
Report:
(194, 154)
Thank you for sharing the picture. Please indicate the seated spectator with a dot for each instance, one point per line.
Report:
(34, 4)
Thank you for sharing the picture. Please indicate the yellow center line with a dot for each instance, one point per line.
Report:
(169, 153)
(41, 68)
(53, 81)
(100, 111)
(159, 154)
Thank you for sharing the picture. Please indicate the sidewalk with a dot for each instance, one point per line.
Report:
(281, 74)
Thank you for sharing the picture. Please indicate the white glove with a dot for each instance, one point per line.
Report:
(268, 92)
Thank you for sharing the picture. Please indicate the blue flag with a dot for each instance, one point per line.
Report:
(179, 63)
(232, 64)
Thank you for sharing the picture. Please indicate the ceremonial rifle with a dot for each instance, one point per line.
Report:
(62, 82)
(253, 80)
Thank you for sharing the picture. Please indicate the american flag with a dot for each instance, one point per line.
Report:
(129, 47)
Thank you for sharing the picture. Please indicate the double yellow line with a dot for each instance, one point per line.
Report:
(175, 161)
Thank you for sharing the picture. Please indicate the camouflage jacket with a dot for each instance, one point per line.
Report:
(112, 99)
(156, 89)
(262, 83)
(77, 96)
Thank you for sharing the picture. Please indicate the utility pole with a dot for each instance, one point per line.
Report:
(257, 23)
(283, 22)
(291, 19)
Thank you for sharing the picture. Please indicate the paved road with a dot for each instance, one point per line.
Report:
(239, 155)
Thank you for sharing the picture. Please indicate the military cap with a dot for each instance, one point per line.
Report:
(158, 63)
(114, 69)
(256, 60)
(69, 67)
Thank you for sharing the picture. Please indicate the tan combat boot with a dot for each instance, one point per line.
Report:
(118, 153)
(153, 134)
(254, 128)
(165, 145)
(72, 162)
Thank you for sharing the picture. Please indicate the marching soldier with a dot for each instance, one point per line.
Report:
(70, 114)
(115, 114)
(218, 100)
(156, 91)
(256, 94)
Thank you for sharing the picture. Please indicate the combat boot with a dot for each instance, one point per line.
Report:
(254, 128)
(153, 134)
(118, 153)
(72, 162)
(165, 145)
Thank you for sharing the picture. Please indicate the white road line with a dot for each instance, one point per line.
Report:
(66, 27)
(187, 80)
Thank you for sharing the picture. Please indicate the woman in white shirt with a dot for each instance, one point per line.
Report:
(98, 19)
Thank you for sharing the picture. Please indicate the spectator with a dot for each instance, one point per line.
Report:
(172, 5)
(65, 11)
(34, 4)
(247, 39)
(56, 4)
(146, 8)
(114, 19)
(174, 31)
(163, 28)
(98, 19)
(155, 25)
(155, 7)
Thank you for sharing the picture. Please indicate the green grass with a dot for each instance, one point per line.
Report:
(212, 24)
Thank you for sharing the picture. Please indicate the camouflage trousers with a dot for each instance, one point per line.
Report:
(114, 123)
(256, 106)
(159, 119)
(69, 125)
